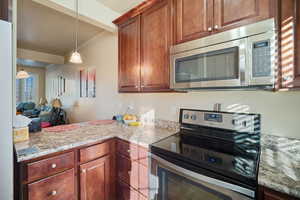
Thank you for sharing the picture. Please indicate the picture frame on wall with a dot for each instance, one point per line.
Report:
(87, 81)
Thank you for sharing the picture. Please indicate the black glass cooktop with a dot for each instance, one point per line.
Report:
(234, 155)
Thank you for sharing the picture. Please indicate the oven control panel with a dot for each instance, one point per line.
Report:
(241, 122)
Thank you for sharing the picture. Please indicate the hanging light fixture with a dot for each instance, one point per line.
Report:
(76, 57)
(22, 74)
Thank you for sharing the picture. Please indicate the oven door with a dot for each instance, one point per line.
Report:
(217, 66)
(171, 182)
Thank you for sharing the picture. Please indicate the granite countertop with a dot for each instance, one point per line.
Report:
(280, 164)
(45, 142)
(279, 161)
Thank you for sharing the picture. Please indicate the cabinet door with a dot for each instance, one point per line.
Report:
(94, 179)
(234, 13)
(129, 56)
(128, 171)
(193, 19)
(155, 44)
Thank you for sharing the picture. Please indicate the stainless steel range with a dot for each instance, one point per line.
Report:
(215, 156)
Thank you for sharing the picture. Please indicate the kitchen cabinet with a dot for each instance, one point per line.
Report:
(87, 172)
(245, 12)
(268, 194)
(132, 170)
(95, 179)
(193, 19)
(204, 17)
(155, 45)
(144, 43)
(61, 186)
(289, 40)
(129, 56)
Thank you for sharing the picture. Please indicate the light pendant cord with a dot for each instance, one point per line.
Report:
(76, 31)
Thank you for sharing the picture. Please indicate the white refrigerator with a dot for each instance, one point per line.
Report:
(6, 111)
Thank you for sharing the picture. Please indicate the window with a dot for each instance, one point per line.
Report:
(26, 89)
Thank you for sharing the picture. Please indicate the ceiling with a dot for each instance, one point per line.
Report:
(120, 6)
(46, 30)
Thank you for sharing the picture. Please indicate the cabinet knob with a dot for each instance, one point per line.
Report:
(53, 193)
(53, 166)
(136, 86)
(129, 173)
(209, 29)
(83, 171)
(128, 151)
(216, 27)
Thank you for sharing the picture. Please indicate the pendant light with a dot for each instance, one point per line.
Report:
(76, 57)
(22, 74)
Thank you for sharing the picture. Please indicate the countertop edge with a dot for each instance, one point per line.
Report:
(75, 145)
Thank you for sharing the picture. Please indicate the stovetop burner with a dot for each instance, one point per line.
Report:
(233, 153)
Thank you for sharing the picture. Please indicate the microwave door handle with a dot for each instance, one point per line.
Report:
(243, 64)
(203, 178)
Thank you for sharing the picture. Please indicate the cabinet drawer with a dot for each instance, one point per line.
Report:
(56, 187)
(128, 171)
(93, 152)
(126, 193)
(127, 149)
(50, 166)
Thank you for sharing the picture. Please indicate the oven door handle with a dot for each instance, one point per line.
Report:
(206, 179)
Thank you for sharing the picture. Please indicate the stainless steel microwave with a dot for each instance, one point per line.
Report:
(244, 57)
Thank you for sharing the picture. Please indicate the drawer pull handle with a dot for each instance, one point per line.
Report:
(128, 151)
(53, 166)
(53, 193)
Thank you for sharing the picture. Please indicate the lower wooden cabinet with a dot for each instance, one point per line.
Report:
(60, 186)
(95, 179)
(126, 193)
(268, 194)
(132, 171)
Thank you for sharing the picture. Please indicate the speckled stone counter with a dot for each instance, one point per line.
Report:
(50, 142)
(280, 164)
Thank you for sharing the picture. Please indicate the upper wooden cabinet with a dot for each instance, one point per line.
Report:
(198, 18)
(155, 45)
(193, 19)
(144, 43)
(129, 55)
(233, 13)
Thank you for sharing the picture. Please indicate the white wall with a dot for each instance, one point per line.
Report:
(280, 111)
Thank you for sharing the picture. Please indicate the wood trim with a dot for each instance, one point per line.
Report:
(135, 11)
(4, 10)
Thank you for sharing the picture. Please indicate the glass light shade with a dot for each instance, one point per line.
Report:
(56, 103)
(76, 58)
(22, 74)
